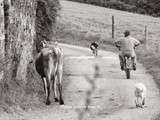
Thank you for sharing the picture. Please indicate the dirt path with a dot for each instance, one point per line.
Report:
(113, 98)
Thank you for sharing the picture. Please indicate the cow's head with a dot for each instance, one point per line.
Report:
(43, 44)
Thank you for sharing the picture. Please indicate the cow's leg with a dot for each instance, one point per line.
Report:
(48, 90)
(61, 102)
(54, 88)
(59, 79)
(44, 84)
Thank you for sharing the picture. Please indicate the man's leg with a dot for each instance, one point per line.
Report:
(121, 61)
(134, 62)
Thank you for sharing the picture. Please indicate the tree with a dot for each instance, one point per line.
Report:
(26, 23)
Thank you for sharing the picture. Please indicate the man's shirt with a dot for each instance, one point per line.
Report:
(127, 44)
(94, 44)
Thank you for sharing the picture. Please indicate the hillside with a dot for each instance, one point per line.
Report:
(83, 20)
(81, 23)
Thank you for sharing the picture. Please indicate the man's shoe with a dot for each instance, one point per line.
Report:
(134, 66)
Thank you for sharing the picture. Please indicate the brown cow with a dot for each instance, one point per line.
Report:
(49, 65)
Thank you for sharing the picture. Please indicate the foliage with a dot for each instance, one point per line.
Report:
(46, 13)
(150, 7)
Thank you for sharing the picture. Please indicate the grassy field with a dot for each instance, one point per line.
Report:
(79, 24)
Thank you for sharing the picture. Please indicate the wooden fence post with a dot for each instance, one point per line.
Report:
(113, 22)
(157, 47)
(146, 44)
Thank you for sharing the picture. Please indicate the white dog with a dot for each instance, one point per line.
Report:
(140, 93)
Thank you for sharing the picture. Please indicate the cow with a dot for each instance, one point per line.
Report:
(49, 65)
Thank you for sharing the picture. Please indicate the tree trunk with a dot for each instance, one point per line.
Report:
(2, 42)
(19, 25)
(24, 23)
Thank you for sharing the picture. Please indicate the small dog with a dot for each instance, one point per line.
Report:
(140, 94)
